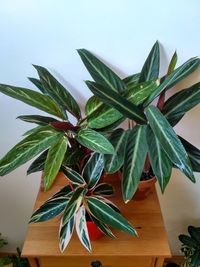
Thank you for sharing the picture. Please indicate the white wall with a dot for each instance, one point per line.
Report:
(48, 32)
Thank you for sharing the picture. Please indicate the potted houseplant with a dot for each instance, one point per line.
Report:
(191, 247)
(149, 146)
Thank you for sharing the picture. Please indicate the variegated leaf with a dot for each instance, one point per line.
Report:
(115, 161)
(93, 169)
(135, 155)
(38, 164)
(65, 233)
(104, 213)
(73, 176)
(100, 72)
(169, 141)
(38, 119)
(38, 84)
(103, 227)
(103, 190)
(54, 160)
(160, 162)
(28, 148)
(132, 79)
(81, 228)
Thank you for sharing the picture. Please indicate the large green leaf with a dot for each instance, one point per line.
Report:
(57, 91)
(54, 160)
(195, 233)
(92, 104)
(135, 155)
(177, 75)
(73, 204)
(33, 130)
(169, 141)
(103, 227)
(65, 233)
(94, 141)
(132, 79)
(38, 84)
(177, 105)
(35, 99)
(115, 100)
(28, 148)
(195, 259)
(73, 176)
(38, 164)
(109, 216)
(103, 190)
(114, 162)
(93, 169)
(52, 207)
(193, 154)
(160, 163)
(150, 70)
(100, 72)
(81, 228)
(188, 241)
(38, 119)
(104, 115)
(72, 156)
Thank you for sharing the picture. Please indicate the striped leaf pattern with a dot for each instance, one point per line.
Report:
(28, 148)
(93, 169)
(81, 228)
(172, 63)
(150, 70)
(38, 119)
(193, 154)
(104, 213)
(103, 190)
(177, 75)
(103, 227)
(54, 160)
(94, 141)
(100, 72)
(38, 84)
(169, 141)
(32, 98)
(92, 104)
(38, 164)
(73, 176)
(178, 104)
(65, 233)
(57, 91)
(132, 79)
(135, 155)
(104, 115)
(160, 162)
(115, 100)
(53, 206)
(114, 162)
(33, 130)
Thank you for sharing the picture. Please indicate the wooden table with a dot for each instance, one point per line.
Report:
(147, 250)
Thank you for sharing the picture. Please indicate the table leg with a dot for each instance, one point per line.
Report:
(33, 262)
(159, 262)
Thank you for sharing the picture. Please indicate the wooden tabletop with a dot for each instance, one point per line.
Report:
(145, 215)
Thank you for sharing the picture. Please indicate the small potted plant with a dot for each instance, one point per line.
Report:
(149, 147)
(191, 247)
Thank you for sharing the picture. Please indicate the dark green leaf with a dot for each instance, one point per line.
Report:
(195, 259)
(107, 215)
(81, 228)
(94, 141)
(160, 163)
(73, 176)
(32, 98)
(105, 116)
(103, 190)
(135, 155)
(188, 241)
(132, 79)
(38, 84)
(114, 162)
(28, 148)
(92, 104)
(169, 141)
(93, 169)
(100, 72)
(52, 207)
(177, 105)
(73, 204)
(33, 130)
(38, 164)
(72, 156)
(115, 100)
(38, 119)
(57, 91)
(65, 233)
(54, 160)
(195, 233)
(177, 75)
(103, 227)
(150, 70)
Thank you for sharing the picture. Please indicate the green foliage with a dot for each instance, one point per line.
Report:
(191, 247)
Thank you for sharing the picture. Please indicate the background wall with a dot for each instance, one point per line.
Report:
(48, 33)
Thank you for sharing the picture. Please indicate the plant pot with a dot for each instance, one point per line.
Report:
(93, 231)
(144, 188)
